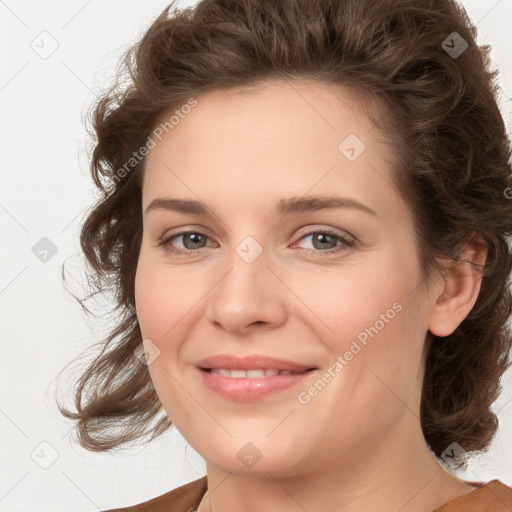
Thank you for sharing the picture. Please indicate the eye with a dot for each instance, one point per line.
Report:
(322, 239)
(327, 239)
(191, 240)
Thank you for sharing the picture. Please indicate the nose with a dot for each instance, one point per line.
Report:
(248, 296)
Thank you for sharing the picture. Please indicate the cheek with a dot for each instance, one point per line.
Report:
(348, 300)
(372, 315)
(164, 296)
(157, 312)
(165, 303)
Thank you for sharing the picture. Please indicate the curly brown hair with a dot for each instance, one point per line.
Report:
(407, 56)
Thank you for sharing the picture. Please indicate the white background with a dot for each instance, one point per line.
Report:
(45, 192)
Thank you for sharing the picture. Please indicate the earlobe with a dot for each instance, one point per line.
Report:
(459, 289)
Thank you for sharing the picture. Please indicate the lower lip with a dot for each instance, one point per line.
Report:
(249, 390)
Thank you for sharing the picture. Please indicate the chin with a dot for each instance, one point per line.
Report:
(258, 457)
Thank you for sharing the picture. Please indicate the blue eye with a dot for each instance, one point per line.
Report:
(196, 239)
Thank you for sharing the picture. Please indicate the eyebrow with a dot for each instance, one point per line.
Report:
(282, 207)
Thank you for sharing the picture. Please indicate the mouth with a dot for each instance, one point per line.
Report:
(250, 385)
(251, 378)
(253, 374)
(268, 365)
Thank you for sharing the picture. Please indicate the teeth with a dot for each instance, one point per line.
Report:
(251, 374)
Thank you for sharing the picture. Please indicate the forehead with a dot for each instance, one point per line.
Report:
(276, 136)
(273, 112)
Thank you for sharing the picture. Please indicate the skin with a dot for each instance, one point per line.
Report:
(357, 445)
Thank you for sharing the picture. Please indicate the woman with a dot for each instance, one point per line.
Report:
(304, 221)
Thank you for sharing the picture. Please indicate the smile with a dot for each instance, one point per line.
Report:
(251, 385)
(251, 374)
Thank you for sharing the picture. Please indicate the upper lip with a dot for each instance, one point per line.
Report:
(253, 362)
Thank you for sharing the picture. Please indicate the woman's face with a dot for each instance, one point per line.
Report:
(268, 274)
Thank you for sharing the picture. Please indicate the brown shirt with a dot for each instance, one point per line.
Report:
(492, 497)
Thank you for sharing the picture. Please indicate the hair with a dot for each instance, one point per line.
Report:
(439, 113)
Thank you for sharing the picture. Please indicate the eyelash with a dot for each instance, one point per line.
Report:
(165, 243)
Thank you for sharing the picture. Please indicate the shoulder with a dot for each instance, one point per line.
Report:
(182, 498)
(494, 496)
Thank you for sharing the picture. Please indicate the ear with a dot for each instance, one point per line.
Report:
(457, 293)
